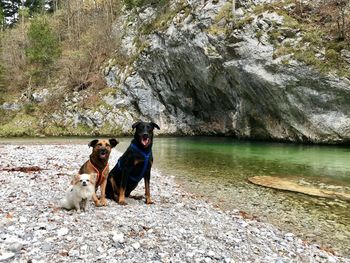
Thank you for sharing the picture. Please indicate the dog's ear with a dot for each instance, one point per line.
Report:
(75, 179)
(136, 124)
(113, 142)
(155, 125)
(92, 143)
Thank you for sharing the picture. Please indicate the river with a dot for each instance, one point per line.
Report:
(217, 169)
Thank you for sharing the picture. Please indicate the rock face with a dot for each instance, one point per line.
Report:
(196, 69)
(192, 80)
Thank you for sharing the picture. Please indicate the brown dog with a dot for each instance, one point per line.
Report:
(98, 163)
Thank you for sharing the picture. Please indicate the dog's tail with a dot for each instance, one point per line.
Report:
(65, 204)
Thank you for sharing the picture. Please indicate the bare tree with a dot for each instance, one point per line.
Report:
(338, 13)
(343, 6)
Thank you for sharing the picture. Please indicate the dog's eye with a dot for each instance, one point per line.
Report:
(80, 180)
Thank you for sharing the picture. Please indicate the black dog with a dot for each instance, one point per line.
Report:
(133, 165)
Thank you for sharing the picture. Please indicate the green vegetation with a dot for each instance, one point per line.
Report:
(43, 44)
(43, 49)
(225, 13)
(163, 18)
(304, 20)
(57, 129)
(61, 47)
(243, 21)
(2, 18)
(130, 4)
(108, 129)
(20, 125)
(221, 20)
(319, 44)
(2, 84)
(314, 37)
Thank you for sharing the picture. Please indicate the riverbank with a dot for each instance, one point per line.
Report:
(179, 227)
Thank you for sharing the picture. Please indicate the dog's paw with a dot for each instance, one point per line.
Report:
(122, 203)
(103, 202)
(97, 203)
(149, 202)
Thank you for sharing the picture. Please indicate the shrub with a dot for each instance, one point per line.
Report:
(43, 45)
(130, 4)
(338, 46)
(332, 55)
(308, 57)
(13, 58)
(29, 108)
(313, 37)
(2, 81)
(2, 86)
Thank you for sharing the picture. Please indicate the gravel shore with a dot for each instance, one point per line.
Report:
(179, 227)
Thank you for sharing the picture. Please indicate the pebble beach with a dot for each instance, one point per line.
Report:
(178, 227)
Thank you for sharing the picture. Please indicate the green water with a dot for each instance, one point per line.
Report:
(217, 169)
(233, 160)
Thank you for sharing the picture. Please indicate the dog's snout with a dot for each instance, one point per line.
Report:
(103, 150)
(84, 183)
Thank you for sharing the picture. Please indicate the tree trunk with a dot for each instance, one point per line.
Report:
(343, 23)
(22, 18)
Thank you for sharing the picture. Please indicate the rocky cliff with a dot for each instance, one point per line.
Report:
(198, 69)
(192, 79)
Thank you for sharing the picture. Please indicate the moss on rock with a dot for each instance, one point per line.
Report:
(21, 125)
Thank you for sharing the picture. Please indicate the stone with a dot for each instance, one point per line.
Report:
(73, 253)
(239, 12)
(118, 237)
(62, 231)
(345, 55)
(5, 256)
(15, 246)
(136, 245)
(11, 106)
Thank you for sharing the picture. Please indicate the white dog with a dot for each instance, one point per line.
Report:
(82, 189)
